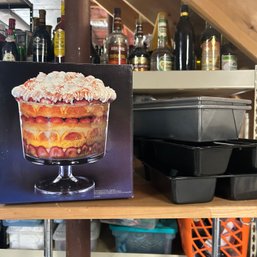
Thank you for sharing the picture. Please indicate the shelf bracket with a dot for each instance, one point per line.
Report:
(255, 105)
(48, 238)
(216, 237)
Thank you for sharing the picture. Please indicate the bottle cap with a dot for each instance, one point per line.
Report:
(42, 12)
(184, 8)
(12, 23)
(42, 15)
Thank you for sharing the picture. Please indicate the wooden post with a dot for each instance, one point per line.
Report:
(77, 50)
(78, 238)
(77, 31)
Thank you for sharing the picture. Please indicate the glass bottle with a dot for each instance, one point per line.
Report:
(35, 24)
(51, 48)
(228, 56)
(117, 42)
(104, 55)
(210, 44)
(184, 42)
(161, 58)
(198, 58)
(12, 24)
(94, 55)
(41, 41)
(21, 44)
(59, 37)
(139, 57)
(9, 50)
(2, 39)
(152, 40)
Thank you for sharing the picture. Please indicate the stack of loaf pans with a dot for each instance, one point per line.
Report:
(193, 166)
(195, 119)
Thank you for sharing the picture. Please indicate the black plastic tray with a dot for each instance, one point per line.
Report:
(244, 157)
(237, 187)
(183, 190)
(184, 158)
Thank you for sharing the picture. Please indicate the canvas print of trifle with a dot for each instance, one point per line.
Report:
(75, 132)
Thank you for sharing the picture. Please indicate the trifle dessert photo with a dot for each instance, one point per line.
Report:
(64, 121)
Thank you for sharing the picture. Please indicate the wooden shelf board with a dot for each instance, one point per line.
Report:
(39, 253)
(146, 203)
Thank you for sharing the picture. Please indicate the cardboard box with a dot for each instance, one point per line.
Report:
(111, 174)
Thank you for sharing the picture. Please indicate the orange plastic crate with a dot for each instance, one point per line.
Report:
(196, 236)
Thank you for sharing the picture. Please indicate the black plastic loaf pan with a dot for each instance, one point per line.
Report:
(185, 158)
(237, 187)
(195, 119)
(182, 190)
(244, 156)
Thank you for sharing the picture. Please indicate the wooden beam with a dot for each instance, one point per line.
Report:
(128, 14)
(235, 19)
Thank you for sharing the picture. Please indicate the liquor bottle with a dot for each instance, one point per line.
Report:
(2, 39)
(12, 23)
(41, 41)
(21, 44)
(49, 30)
(51, 50)
(35, 24)
(104, 55)
(59, 37)
(9, 50)
(198, 58)
(210, 44)
(228, 56)
(94, 55)
(153, 40)
(161, 58)
(139, 57)
(184, 42)
(117, 42)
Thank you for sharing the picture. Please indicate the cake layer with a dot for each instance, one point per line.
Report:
(57, 152)
(62, 135)
(63, 111)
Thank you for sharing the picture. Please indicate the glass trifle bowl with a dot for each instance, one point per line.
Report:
(64, 121)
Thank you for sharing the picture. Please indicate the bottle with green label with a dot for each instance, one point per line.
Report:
(161, 58)
(228, 56)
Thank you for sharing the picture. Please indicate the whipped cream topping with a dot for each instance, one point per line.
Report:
(59, 86)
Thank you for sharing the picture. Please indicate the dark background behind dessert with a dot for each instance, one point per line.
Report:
(112, 174)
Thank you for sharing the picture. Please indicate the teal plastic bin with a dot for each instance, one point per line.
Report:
(139, 240)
